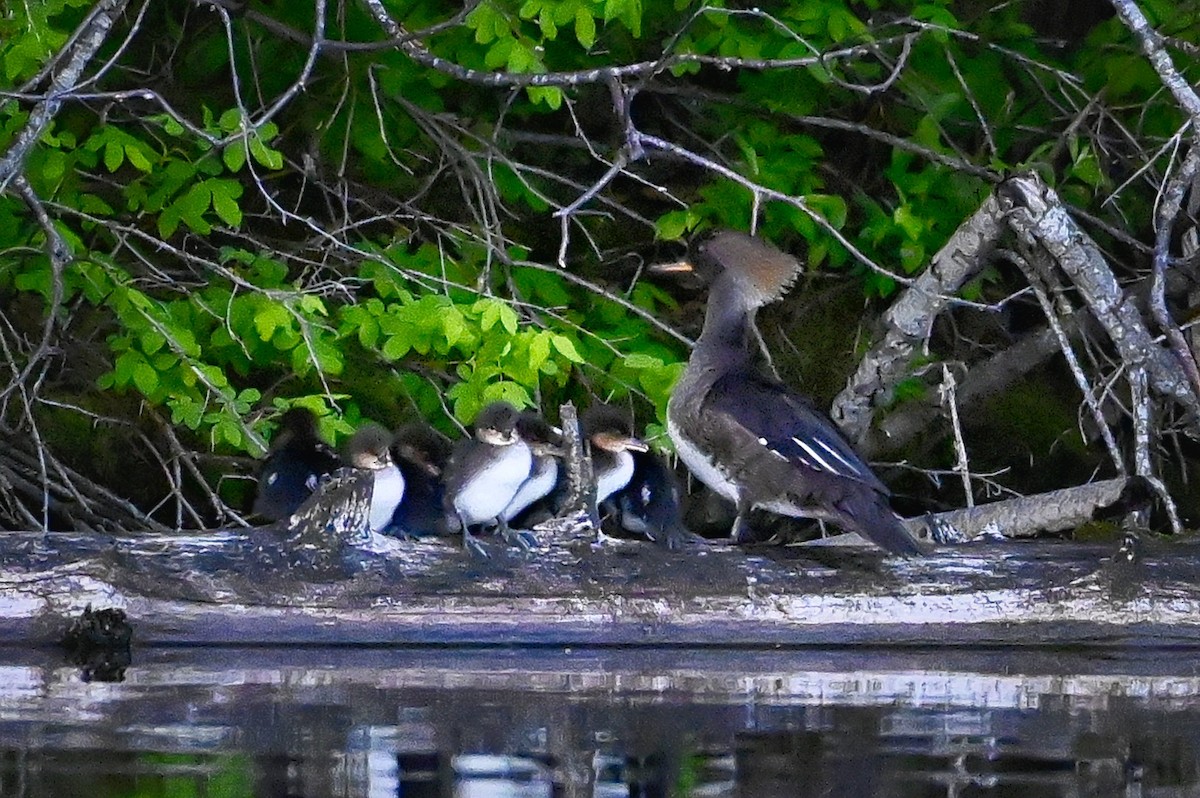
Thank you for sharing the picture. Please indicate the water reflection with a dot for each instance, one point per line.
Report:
(602, 724)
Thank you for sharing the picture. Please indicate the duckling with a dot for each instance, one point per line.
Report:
(421, 453)
(651, 503)
(484, 474)
(610, 432)
(370, 448)
(546, 443)
(294, 465)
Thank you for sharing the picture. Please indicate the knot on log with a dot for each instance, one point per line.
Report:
(98, 641)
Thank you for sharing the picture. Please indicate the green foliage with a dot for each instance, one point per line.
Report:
(236, 262)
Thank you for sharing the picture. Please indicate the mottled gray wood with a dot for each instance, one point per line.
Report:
(239, 587)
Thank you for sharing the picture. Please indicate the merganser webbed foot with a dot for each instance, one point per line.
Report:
(746, 435)
(523, 539)
(472, 545)
(294, 465)
(485, 471)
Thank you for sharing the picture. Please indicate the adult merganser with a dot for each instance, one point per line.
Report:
(745, 434)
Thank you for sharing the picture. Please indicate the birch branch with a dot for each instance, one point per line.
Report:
(1041, 222)
(92, 33)
(911, 317)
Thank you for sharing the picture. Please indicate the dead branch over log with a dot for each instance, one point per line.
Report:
(987, 378)
(1027, 516)
(1042, 223)
(908, 322)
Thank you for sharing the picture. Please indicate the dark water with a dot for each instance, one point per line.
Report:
(526, 723)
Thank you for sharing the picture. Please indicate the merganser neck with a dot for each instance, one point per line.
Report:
(728, 321)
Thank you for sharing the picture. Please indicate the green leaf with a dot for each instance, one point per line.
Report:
(467, 400)
(185, 411)
(231, 121)
(507, 391)
(672, 225)
(145, 378)
(311, 303)
(397, 346)
(224, 200)
(152, 340)
(270, 317)
(566, 347)
(270, 158)
(629, 12)
(489, 310)
(234, 155)
(539, 349)
(454, 327)
(133, 152)
(169, 124)
(191, 207)
(585, 27)
(497, 54)
(521, 58)
(637, 360)
(908, 221)
(550, 96)
(488, 22)
(114, 155)
(494, 311)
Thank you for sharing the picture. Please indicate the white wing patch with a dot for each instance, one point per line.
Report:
(840, 457)
(813, 454)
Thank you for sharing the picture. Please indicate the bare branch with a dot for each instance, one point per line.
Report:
(908, 321)
(87, 41)
(1041, 221)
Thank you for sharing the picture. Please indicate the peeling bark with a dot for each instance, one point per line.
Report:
(1041, 222)
(1026, 516)
(908, 321)
(616, 594)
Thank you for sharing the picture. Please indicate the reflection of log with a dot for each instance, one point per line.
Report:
(32, 682)
(237, 588)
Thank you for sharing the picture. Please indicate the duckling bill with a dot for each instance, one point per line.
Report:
(746, 435)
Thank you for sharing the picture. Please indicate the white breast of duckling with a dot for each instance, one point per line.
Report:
(538, 484)
(615, 478)
(388, 493)
(486, 495)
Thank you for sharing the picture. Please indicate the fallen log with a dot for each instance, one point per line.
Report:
(238, 588)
